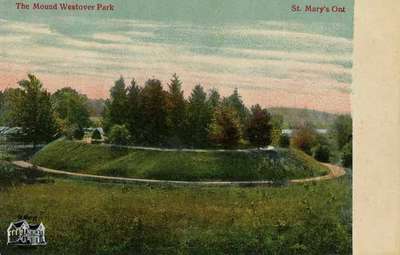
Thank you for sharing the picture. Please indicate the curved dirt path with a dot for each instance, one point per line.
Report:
(335, 172)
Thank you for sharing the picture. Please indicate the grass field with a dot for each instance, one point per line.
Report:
(173, 165)
(94, 218)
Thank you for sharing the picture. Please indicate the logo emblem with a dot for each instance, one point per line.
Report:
(23, 233)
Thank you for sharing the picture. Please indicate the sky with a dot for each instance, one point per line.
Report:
(275, 57)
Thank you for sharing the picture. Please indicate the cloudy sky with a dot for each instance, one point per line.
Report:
(273, 56)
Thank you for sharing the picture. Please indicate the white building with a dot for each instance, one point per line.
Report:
(22, 233)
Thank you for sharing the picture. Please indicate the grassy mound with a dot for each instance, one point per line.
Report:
(174, 165)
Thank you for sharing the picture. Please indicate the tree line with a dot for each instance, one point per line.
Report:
(150, 115)
(158, 117)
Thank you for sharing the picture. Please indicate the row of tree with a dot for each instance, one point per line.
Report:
(334, 146)
(43, 116)
(154, 116)
(150, 115)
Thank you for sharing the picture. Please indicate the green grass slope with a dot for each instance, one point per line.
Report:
(174, 165)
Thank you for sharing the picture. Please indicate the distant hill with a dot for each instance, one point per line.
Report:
(96, 107)
(293, 117)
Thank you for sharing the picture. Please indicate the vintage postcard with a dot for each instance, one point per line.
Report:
(176, 127)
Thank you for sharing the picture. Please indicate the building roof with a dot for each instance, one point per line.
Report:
(34, 226)
(19, 223)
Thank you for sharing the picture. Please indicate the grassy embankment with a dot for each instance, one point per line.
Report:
(173, 165)
(94, 218)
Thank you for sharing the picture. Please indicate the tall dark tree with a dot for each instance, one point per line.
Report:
(235, 101)
(135, 114)
(214, 99)
(71, 108)
(34, 112)
(176, 109)
(115, 112)
(225, 127)
(154, 112)
(259, 128)
(198, 117)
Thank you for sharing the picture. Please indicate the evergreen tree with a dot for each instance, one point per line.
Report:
(259, 128)
(214, 99)
(235, 101)
(115, 111)
(135, 114)
(198, 118)
(154, 112)
(176, 109)
(34, 112)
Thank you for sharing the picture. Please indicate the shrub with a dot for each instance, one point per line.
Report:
(119, 134)
(347, 155)
(322, 153)
(69, 131)
(305, 138)
(78, 133)
(284, 141)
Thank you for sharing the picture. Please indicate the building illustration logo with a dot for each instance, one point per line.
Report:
(22, 233)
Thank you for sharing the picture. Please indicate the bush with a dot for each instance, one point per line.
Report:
(322, 153)
(305, 138)
(347, 155)
(119, 134)
(78, 133)
(69, 132)
(284, 141)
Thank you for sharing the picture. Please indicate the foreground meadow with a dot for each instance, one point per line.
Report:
(84, 217)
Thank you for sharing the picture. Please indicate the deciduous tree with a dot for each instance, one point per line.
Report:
(71, 108)
(304, 139)
(259, 127)
(33, 112)
(343, 129)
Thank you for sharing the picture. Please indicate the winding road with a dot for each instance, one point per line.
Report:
(335, 172)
